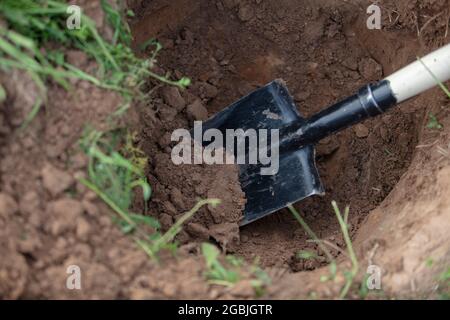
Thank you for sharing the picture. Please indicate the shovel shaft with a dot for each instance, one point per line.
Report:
(371, 100)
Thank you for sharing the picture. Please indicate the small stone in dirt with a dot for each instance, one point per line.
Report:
(208, 90)
(83, 229)
(173, 98)
(64, 215)
(177, 198)
(370, 69)
(30, 202)
(361, 131)
(227, 235)
(327, 146)
(167, 113)
(187, 36)
(246, 13)
(196, 111)
(219, 55)
(165, 140)
(243, 289)
(303, 95)
(55, 180)
(13, 274)
(198, 231)
(77, 58)
(170, 208)
(166, 221)
(229, 4)
(8, 205)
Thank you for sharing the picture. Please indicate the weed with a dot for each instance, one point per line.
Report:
(429, 262)
(113, 178)
(230, 272)
(307, 255)
(110, 172)
(433, 122)
(350, 275)
(440, 83)
(444, 285)
(312, 235)
(2, 94)
(343, 223)
(216, 273)
(156, 242)
(33, 25)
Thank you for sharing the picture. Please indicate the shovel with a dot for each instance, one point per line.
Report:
(272, 107)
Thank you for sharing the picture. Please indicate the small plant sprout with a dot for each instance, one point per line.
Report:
(313, 236)
(444, 285)
(343, 223)
(216, 273)
(155, 243)
(440, 83)
(2, 94)
(232, 270)
(307, 255)
(32, 25)
(433, 122)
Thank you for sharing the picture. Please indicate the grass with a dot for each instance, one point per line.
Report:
(34, 39)
(114, 179)
(444, 285)
(113, 175)
(231, 271)
(216, 273)
(313, 236)
(351, 274)
(433, 122)
(33, 29)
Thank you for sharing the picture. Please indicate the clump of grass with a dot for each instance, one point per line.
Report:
(114, 177)
(444, 285)
(216, 273)
(313, 236)
(343, 224)
(34, 28)
(230, 271)
(433, 122)
(156, 242)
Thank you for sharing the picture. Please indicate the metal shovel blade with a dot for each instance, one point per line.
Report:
(270, 107)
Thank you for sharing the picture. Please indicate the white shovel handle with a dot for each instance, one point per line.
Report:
(418, 76)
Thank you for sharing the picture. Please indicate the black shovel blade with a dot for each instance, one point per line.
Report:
(270, 107)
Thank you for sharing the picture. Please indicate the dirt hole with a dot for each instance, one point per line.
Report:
(321, 50)
(393, 171)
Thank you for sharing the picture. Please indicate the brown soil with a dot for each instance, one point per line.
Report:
(392, 171)
(178, 188)
(248, 45)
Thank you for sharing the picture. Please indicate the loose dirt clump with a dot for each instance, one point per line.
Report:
(178, 188)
